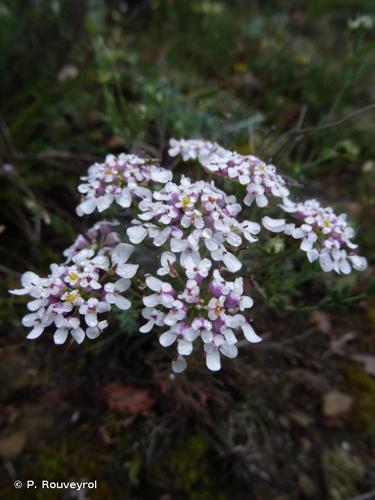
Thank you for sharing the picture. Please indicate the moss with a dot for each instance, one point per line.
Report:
(67, 461)
(362, 388)
(342, 470)
(185, 468)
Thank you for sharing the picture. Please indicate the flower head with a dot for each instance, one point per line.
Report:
(209, 308)
(75, 293)
(324, 235)
(261, 180)
(191, 215)
(117, 180)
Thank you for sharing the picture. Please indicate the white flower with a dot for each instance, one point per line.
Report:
(154, 317)
(164, 293)
(167, 260)
(113, 293)
(195, 267)
(121, 254)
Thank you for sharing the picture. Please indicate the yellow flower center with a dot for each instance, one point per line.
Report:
(73, 276)
(71, 297)
(185, 201)
(326, 223)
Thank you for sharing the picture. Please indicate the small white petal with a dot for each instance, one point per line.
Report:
(151, 300)
(167, 338)
(246, 302)
(161, 175)
(126, 270)
(213, 361)
(249, 333)
(326, 262)
(29, 319)
(79, 335)
(229, 350)
(122, 302)
(87, 207)
(92, 332)
(136, 234)
(103, 202)
(29, 279)
(121, 253)
(35, 332)
(34, 305)
(312, 254)
(122, 285)
(60, 335)
(345, 267)
(274, 225)
(91, 319)
(232, 263)
(184, 347)
(179, 365)
(359, 263)
(147, 327)
(154, 284)
(261, 200)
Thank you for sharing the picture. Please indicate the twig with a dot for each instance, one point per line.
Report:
(336, 123)
(366, 496)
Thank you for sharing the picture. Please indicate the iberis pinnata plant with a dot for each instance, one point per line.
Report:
(194, 236)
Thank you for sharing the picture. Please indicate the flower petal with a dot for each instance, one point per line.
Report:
(35, 332)
(213, 360)
(122, 302)
(179, 365)
(60, 335)
(249, 333)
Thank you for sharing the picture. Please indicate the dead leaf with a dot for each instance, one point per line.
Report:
(367, 361)
(336, 403)
(127, 398)
(322, 321)
(338, 346)
(11, 446)
(301, 418)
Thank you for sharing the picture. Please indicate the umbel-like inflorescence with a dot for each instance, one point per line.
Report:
(118, 180)
(324, 235)
(261, 180)
(198, 235)
(73, 295)
(199, 304)
(187, 214)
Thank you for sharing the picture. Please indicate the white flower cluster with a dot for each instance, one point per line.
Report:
(199, 305)
(190, 213)
(200, 232)
(323, 234)
(73, 295)
(261, 180)
(117, 180)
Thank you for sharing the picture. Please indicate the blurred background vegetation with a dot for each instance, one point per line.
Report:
(292, 82)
